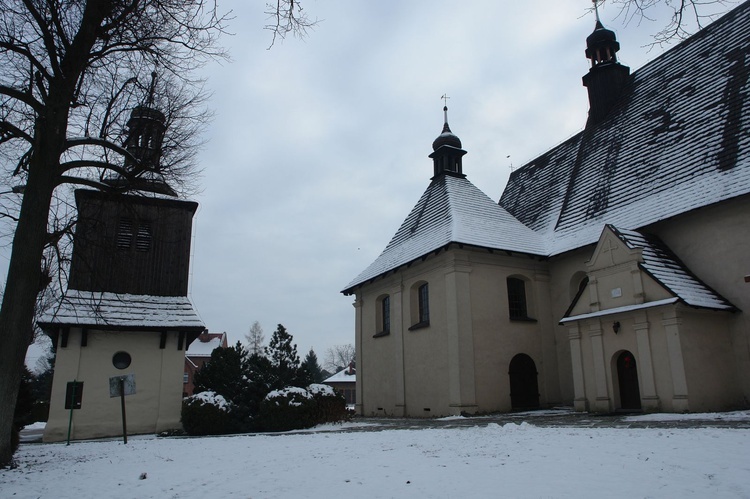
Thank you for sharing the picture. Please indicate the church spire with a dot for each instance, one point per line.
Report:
(447, 152)
(606, 78)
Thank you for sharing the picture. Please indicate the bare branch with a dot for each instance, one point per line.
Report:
(685, 16)
(24, 97)
(287, 16)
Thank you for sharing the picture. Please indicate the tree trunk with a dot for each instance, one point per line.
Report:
(23, 281)
(22, 287)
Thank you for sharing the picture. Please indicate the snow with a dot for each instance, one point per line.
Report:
(452, 210)
(293, 393)
(484, 460)
(620, 310)
(212, 398)
(203, 348)
(320, 389)
(343, 376)
(91, 308)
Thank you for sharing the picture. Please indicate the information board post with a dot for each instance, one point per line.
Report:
(122, 404)
(119, 386)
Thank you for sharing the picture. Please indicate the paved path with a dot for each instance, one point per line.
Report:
(567, 418)
(543, 418)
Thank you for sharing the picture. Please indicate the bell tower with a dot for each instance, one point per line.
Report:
(606, 77)
(447, 152)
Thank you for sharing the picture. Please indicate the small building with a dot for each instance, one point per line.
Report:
(345, 383)
(125, 321)
(198, 354)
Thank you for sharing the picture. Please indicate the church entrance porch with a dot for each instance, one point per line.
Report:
(524, 388)
(627, 381)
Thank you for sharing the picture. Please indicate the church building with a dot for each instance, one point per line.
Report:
(611, 274)
(125, 321)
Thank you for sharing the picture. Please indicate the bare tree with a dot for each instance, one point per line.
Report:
(339, 357)
(685, 16)
(255, 339)
(71, 70)
(285, 17)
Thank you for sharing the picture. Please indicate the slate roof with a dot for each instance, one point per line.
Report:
(452, 210)
(677, 140)
(680, 132)
(664, 266)
(122, 311)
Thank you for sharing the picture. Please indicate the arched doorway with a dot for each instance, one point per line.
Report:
(627, 379)
(524, 390)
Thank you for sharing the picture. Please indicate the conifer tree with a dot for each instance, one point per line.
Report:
(312, 368)
(225, 373)
(282, 354)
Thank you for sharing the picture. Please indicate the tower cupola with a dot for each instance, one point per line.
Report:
(606, 77)
(146, 128)
(447, 152)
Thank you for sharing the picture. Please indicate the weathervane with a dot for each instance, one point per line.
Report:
(445, 106)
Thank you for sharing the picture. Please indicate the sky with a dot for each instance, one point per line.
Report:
(319, 147)
(483, 459)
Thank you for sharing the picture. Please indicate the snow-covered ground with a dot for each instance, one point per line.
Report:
(485, 460)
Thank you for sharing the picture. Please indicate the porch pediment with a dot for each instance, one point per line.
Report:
(631, 269)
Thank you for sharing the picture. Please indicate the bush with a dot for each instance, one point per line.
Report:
(207, 413)
(296, 408)
(330, 406)
(291, 408)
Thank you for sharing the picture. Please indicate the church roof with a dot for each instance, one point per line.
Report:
(677, 140)
(670, 272)
(452, 210)
(122, 311)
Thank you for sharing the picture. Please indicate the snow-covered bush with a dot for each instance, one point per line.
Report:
(207, 413)
(296, 408)
(290, 408)
(329, 406)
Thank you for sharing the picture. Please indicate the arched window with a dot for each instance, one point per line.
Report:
(420, 306)
(517, 305)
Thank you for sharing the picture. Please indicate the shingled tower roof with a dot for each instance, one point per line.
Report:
(675, 141)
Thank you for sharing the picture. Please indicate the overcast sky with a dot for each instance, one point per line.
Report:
(318, 148)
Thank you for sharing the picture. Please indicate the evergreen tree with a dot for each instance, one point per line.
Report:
(225, 373)
(261, 380)
(313, 369)
(282, 354)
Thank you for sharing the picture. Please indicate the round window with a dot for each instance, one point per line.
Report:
(121, 360)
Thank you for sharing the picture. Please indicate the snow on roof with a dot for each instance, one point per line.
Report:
(200, 348)
(679, 133)
(619, 310)
(113, 310)
(670, 272)
(342, 376)
(452, 210)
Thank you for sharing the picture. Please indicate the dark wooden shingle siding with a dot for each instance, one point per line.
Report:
(154, 260)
